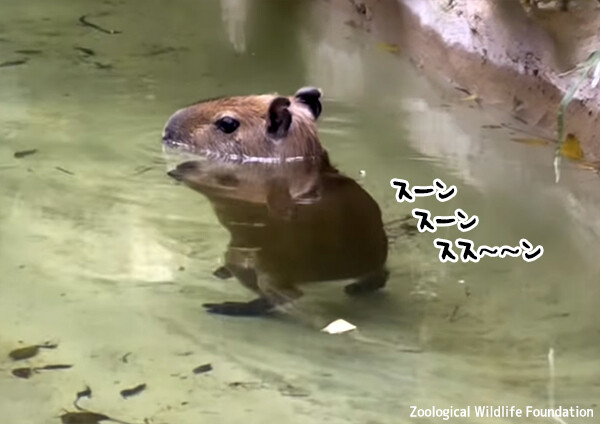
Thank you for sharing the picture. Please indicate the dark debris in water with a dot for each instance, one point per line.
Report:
(558, 315)
(452, 316)
(521, 120)
(203, 369)
(83, 417)
(24, 353)
(16, 62)
(142, 170)
(101, 65)
(54, 367)
(86, 51)
(29, 51)
(64, 171)
(29, 351)
(133, 391)
(247, 385)
(28, 372)
(293, 391)
(161, 50)
(22, 153)
(84, 20)
(24, 373)
(462, 90)
(85, 393)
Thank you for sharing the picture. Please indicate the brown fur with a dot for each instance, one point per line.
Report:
(254, 182)
(293, 219)
(194, 129)
(290, 225)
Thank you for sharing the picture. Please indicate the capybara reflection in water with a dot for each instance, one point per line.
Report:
(293, 218)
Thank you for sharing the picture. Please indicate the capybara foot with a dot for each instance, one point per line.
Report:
(368, 283)
(222, 273)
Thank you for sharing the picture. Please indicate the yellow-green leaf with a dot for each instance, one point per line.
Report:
(387, 47)
(571, 148)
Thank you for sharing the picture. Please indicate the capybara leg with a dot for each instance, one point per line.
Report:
(278, 290)
(369, 283)
(564, 5)
(271, 296)
(256, 307)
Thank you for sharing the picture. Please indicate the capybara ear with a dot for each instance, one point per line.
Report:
(311, 97)
(279, 118)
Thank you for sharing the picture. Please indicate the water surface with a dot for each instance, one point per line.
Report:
(105, 255)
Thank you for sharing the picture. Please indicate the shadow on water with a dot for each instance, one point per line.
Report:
(112, 261)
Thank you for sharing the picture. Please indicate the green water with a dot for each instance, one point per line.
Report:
(106, 256)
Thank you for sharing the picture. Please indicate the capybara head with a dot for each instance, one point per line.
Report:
(249, 128)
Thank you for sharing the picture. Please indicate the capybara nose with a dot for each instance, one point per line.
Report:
(169, 136)
(175, 131)
(176, 175)
(173, 139)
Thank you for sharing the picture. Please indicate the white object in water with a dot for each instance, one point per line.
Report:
(339, 326)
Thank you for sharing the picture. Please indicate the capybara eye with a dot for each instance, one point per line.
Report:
(227, 124)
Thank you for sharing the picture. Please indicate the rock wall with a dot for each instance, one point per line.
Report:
(503, 52)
